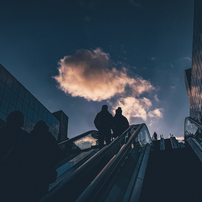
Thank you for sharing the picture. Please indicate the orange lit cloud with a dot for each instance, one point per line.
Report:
(89, 74)
(133, 107)
(156, 113)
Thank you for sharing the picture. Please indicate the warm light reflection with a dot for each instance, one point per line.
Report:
(86, 142)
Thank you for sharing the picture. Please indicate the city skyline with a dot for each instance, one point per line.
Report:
(128, 53)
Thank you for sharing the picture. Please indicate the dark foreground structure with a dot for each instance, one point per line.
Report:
(131, 168)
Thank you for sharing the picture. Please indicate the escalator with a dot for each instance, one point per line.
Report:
(133, 168)
(74, 152)
(76, 182)
(173, 174)
(120, 179)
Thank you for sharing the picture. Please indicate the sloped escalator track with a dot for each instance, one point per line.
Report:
(172, 175)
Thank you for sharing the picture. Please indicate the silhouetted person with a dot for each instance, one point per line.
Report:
(44, 154)
(120, 123)
(12, 133)
(103, 122)
(154, 136)
(12, 142)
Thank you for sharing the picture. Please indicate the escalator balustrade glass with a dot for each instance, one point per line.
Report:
(192, 129)
(143, 137)
(87, 142)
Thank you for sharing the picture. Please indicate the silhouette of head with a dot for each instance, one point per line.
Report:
(104, 108)
(41, 126)
(15, 119)
(119, 111)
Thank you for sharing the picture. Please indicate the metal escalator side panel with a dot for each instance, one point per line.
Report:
(139, 181)
(197, 148)
(92, 165)
(93, 189)
(162, 144)
(174, 142)
(193, 129)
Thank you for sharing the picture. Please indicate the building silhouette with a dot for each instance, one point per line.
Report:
(193, 75)
(14, 96)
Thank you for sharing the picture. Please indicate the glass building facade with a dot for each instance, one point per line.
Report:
(14, 96)
(194, 80)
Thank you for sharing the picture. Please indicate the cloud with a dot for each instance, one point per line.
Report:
(137, 108)
(187, 58)
(89, 74)
(156, 98)
(173, 87)
(157, 113)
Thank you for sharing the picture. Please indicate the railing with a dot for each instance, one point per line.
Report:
(76, 144)
(193, 135)
(75, 184)
(92, 192)
(192, 129)
(174, 142)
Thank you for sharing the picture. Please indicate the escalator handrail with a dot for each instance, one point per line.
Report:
(98, 182)
(90, 162)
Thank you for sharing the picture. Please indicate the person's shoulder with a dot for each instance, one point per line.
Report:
(109, 113)
(124, 117)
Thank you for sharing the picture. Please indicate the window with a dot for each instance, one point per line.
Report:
(4, 106)
(45, 113)
(22, 92)
(39, 118)
(11, 108)
(35, 116)
(19, 104)
(30, 112)
(7, 93)
(28, 124)
(41, 108)
(36, 106)
(3, 75)
(16, 86)
(2, 86)
(2, 116)
(24, 108)
(49, 117)
(32, 101)
(13, 99)
(27, 97)
(10, 81)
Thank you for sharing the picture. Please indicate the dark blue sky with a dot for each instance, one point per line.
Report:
(152, 40)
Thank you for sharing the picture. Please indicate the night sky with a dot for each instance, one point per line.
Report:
(77, 55)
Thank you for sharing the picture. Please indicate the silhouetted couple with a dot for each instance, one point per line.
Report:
(27, 161)
(105, 122)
